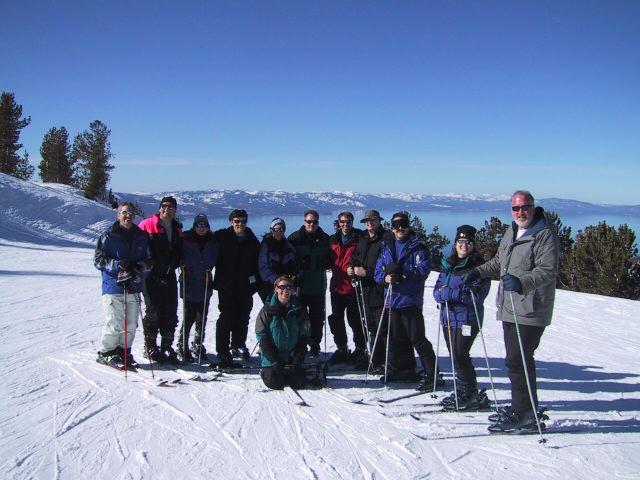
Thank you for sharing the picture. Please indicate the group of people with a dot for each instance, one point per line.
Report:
(377, 282)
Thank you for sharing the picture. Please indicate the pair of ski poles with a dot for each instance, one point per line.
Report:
(185, 337)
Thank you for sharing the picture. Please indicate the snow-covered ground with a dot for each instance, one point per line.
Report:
(64, 416)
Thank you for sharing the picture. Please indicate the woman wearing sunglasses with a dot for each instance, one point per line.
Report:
(458, 317)
(282, 329)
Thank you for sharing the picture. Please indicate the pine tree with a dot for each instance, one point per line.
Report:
(57, 165)
(488, 237)
(602, 262)
(92, 151)
(11, 122)
(435, 241)
(566, 247)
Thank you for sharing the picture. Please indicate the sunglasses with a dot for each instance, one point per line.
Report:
(281, 230)
(463, 241)
(167, 205)
(398, 224)
(311, 222)
(346, 221)
(282, 288)
(127, 213)
(201, 225)
(517, 208)
(239, 221)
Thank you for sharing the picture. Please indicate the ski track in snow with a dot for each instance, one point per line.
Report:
(65, 416)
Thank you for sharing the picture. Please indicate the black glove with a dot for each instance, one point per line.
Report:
(393, 268)
(470, 277)
(396, 278)
(125, 265)
(511, 283)
(125, 278)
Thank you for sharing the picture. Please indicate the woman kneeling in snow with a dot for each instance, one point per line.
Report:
(282, 328)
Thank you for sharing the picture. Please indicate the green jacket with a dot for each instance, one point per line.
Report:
(282, 332)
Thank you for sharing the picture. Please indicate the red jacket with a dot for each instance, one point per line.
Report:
(340, 282)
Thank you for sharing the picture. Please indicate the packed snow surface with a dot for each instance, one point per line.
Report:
(66, 417)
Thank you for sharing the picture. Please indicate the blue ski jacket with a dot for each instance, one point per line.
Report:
(117, 244)
(199, 256)
(415, 262)
(449, 290)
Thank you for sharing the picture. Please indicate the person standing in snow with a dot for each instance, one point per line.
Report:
(236, 280)
(160, 286)
(527, 263)
(314, 254)
(362, 268)
(343, 296)
(277, 257)
(120, 255)
(282, 328)
(199, 255)
(404, 265)
(458, 316)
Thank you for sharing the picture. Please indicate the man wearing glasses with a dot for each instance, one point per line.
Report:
(404, 265)
(119, 255)
(160, 286)
(314, 254)
(236, 280)
(343, 295)
(527, 262)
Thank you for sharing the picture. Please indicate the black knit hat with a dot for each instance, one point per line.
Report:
(238, 213)
(467, 232)
(201, 218)
(169, 200)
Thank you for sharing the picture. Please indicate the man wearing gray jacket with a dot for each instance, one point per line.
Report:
(527, 264)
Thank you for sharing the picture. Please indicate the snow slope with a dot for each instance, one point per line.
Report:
(66, 417)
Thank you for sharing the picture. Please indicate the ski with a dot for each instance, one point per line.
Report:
(356, 401)
(116, 366)
(546, 431)
(401, 397)
(301, 401)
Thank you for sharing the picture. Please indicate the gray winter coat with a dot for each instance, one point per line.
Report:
(534, 259)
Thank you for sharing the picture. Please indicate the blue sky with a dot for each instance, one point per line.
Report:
(369, 96)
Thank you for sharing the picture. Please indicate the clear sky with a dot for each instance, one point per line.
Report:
(368, 96)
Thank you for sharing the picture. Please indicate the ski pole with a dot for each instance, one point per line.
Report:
(435, 375)
(360, 302)
(185, 339)
(453, 366)
(125, 335)
(204, 312)
(375, 341)
(386, 357)
(526, 372)
(484, 347)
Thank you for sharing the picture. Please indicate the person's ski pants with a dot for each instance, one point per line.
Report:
(408, 333)
(315, 305)
(114, 311)
(233, 322)
(530, 335)
(161, 301)
(340, 303)
(465, 371)
(194, 314)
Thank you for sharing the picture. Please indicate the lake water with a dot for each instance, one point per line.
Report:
(446, 221)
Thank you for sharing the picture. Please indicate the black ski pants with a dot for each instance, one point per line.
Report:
(373, 323)
(194, 313)
(161, 315)
(407, 333)
(530, 336)
(315, 305)
(233, 322)
(465, 371)
(278, 378)
(340, 303)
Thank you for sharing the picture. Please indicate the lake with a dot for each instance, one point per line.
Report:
(446, 221)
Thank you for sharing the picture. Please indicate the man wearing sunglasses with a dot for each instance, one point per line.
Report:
(236, 280)
(527, 264)
(160, 286)
(314, 254)
(405, 263)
